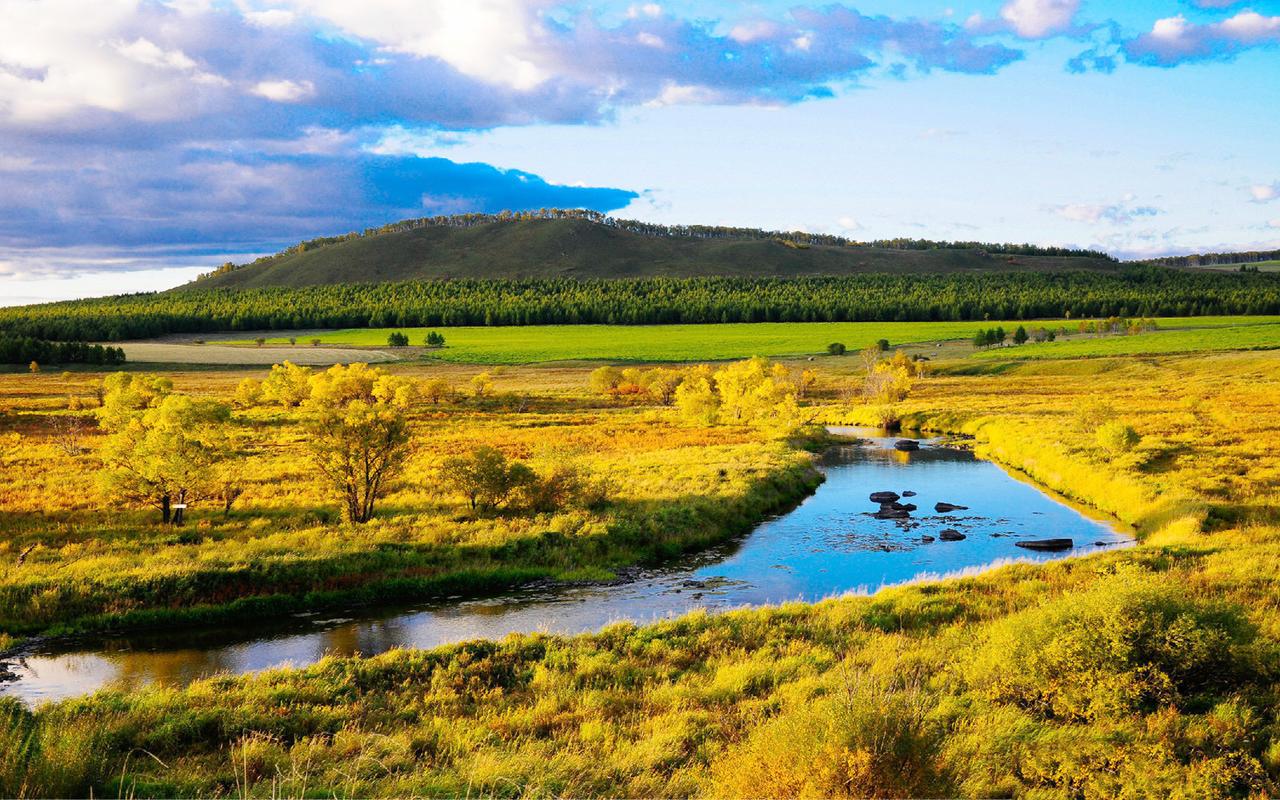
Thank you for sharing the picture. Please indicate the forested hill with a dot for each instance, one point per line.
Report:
(585, 245)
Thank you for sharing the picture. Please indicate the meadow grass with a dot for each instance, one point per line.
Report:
(1265, 336)
(72, 560)
(1151, 671)
(663, 343)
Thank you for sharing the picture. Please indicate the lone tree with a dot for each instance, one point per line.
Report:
(164, 452)
(359, 433)
(485, 477)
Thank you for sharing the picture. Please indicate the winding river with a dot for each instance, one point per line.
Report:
(829, 545)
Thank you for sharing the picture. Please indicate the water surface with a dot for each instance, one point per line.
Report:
(828, 545)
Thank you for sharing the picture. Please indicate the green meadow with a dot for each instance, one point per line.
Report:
(1264, 336)
(542, 343)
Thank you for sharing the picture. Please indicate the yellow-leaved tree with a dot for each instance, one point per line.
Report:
(288, 384)
(163, 448)
(358, 433)
(753, 392)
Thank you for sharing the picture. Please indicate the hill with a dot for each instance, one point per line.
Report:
(591, 247)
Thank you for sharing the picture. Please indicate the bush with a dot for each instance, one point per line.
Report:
(1115, 437)
(836, 349)
(1136, 643)
(397, 339)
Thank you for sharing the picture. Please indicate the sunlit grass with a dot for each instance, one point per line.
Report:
(542, 343)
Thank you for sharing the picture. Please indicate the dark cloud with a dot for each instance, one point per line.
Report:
(157, 199)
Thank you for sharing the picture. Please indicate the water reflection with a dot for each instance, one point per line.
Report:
(828, 545)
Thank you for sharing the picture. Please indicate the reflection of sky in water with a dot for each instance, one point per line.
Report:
(827, 546)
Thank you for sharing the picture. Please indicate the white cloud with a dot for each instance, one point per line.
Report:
(63, 56)
(494, 40)
(1121, 213)
(1176, 39)
(1036, 19)
(1264, 192)
(748, 32)
(271, 18)
(284, 91)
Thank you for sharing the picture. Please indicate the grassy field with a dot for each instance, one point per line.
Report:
(659, 343)
(1152, 671)
(91, 562)
(1236, 337)
(1262, 266)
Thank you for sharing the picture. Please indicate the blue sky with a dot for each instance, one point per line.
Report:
(141, 142)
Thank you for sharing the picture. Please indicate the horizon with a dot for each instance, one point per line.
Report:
(144, 143)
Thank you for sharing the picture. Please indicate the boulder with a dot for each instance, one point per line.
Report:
(1047, 544)
(951, 535)
(906, 506)
(908, 493)
(886, 512)
(906, 445)
(926, 538)
(884, 497)
(943, 508)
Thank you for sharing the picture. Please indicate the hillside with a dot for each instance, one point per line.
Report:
(583, 248)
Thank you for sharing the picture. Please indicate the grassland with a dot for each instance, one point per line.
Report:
(1148, 672)
(664, 343)
(1242, 337)
(88, 563)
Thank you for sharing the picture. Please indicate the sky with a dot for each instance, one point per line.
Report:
(142, 142)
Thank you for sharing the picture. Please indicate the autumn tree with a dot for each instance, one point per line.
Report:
(889, 380)
(663, 382)
(358, 433)
(604, 380)
(163, 454)
(485, 477)
(696, 398)
(248, 393)
(287, 384)
(436, 390)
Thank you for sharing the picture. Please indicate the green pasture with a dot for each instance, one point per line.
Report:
(541, 343)
(1258, 336)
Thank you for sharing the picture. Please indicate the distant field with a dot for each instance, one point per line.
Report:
(532, 344)
(1263, 266)
(1264, 336)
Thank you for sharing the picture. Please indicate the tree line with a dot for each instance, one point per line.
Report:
(1135, 292)
(660, 231)
(1216, 259)
(27, 349)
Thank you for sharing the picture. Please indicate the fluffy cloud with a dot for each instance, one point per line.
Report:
(131, 123)
(1175, 40)
(1264, 192)
(1122, 213)
(1037, 19)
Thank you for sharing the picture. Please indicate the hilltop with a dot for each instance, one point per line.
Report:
(577, 244)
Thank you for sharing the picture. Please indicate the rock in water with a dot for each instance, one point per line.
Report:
(888, 512)
(906, 445)
(884, 497)
(908, 493)
(1047, 544)
(943, 508)
(926, 538)
(951, 535)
